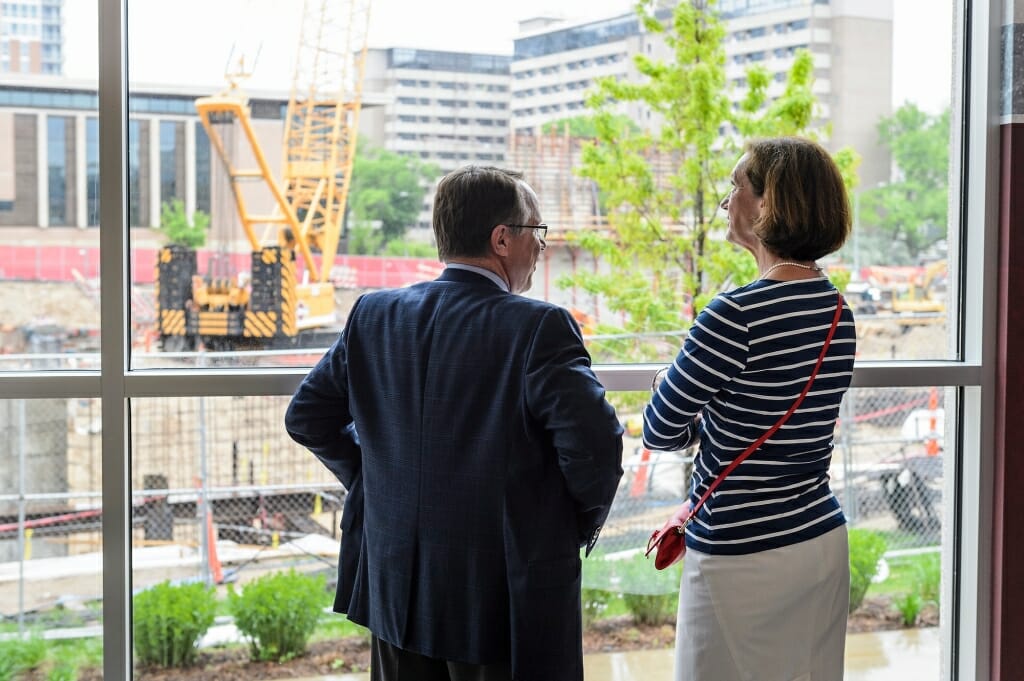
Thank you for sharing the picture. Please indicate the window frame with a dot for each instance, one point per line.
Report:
(968, 520)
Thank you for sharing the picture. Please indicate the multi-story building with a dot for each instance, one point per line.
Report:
(555, 64)
(851, 42)
(31, 37)
(445, 108)
(49, 153)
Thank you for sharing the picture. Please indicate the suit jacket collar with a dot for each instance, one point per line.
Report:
(465, 277)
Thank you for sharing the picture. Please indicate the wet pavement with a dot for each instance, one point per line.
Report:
(880, 656)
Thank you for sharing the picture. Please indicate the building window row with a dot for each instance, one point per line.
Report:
(450, 85)
(70, 199)
(449, 104)
(137, 103)
(749, 57)
(550, 108)
(17, 29)
(548, 89)
(431, 60)
(785, 52)
(732, 8)
(750, 33)
(18, 9)
(796, 25)
(611, 30)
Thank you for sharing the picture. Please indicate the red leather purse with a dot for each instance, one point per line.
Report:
(670, 540)
(669, 543)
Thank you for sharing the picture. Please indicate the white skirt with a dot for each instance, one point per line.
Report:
(777, 615)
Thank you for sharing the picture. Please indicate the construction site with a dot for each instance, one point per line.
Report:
(219, 492)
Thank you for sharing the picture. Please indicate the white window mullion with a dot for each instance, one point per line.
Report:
(974, 207)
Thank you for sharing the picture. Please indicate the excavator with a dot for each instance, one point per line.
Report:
(922, 294)
(278, 305)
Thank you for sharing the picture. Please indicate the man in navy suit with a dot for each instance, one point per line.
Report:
(477, 448)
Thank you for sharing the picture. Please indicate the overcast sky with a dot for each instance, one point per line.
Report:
(189, 42)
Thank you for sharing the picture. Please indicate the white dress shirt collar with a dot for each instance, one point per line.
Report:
(502, 284)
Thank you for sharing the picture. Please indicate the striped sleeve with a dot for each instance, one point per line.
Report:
(715, 352)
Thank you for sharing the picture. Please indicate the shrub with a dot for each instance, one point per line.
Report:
(169, 619)
(909, 606)
(597, 588)
(278, 613)
(927, 578)
(595, 603)
(63, 670)
(650, 595)
(20, 655)
(651, 608)
(866, 549)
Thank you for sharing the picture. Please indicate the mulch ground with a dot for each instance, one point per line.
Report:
(353, 654)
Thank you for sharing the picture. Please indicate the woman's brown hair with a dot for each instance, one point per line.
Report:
(806, 211)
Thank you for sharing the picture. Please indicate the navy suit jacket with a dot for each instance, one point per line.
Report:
(479, 454)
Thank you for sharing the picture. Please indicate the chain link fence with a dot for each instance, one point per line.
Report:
(887, 473)
(221, 494)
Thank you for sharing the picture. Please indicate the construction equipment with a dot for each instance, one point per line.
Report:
(277, 305)
(922, 294)
(912, 295)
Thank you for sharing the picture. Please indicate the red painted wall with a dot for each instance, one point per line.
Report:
(58, 263)
(1008, 498)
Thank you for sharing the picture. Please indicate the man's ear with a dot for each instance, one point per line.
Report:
(500, 237)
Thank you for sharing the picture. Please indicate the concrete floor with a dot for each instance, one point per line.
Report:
(883, 656)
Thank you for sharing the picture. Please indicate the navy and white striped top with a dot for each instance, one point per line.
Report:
(746, 359)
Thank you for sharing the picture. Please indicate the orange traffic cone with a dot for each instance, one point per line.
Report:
(211, 540)
(931, 447)
(639, 487)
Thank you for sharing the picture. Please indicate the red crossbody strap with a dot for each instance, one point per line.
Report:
(771, 431)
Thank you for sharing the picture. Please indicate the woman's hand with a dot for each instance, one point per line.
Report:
(659, 376)
(681, 514)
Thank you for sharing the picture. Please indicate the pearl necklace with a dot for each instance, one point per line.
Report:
(813, 268)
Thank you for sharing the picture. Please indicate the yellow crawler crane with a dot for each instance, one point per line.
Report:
(273, 308)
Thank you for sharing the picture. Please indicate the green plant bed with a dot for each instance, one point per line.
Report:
(169, 620)
(52, 660)
(335, 626)
(910, 573)
(278, 612)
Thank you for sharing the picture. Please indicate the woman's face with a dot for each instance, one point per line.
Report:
(743, 207)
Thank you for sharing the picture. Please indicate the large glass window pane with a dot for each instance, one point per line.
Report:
(51, 587)
(882, 92)
(645, 278)
(221, 495)
(227, 293)
(49, 256)
(890, 471)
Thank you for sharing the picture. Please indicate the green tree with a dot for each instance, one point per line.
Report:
(584, 126)
(662, 256)
(387, 191)
(178, 229)
(908, 215)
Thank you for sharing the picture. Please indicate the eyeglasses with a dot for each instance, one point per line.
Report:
(542, 227)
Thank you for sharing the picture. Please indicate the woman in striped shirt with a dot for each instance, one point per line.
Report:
(765, 585)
